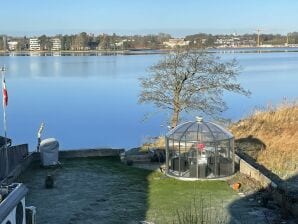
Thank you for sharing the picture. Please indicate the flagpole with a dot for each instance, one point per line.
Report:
(3, 69)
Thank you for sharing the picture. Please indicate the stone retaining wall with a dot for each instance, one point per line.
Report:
(279, 193)
(249, 170)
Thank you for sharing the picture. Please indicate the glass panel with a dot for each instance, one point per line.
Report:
(200, 150)
(192, 160)
(225, 160)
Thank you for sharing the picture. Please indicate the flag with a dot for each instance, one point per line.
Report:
(4, 91)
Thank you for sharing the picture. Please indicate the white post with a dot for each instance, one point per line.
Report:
(39, 135)
(3, 69)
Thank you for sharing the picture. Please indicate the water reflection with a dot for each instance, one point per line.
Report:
(82, 53)
(91, 101)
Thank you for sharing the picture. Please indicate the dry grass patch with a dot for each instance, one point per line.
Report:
(277, 129)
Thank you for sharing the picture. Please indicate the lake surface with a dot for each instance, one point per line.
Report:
(91, 101)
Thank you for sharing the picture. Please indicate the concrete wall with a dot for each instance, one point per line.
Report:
(138, 158)
(16, 154)
(20, 168)
(249, 170)
(279, 194)
(84, 153)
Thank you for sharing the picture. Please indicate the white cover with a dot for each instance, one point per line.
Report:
(49, 149)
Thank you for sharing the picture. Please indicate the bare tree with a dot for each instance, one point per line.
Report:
(187, 80)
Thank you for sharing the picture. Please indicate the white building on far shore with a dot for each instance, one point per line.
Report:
(34, 44)
(174, 42)
(56, 44)
(12, 45)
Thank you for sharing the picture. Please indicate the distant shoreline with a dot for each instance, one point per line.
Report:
(81, 53)
(86, 51)
(145, 51)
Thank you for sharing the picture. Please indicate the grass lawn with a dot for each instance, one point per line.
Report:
(170, 198)
(103, 190)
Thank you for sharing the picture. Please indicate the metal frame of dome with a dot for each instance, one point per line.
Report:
(199, 150)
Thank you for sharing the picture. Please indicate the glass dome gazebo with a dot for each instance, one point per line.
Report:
(199, 150)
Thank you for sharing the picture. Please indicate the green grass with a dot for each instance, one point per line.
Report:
(109, 191)
(168, 198)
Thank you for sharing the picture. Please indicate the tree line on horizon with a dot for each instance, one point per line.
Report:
(84, 41)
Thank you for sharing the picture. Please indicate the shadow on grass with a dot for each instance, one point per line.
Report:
(97, 190)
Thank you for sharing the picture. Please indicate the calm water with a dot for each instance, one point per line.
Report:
(91, 101)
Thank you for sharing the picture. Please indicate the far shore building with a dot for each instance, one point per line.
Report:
(122, 42)
(4, 41)
(234, 42)
(176, 42)
(12, 45)
(34, 44)
(56, 44)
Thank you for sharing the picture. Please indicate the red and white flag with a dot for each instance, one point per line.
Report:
(4, 91)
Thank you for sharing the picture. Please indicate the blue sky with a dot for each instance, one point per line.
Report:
(34, 17)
